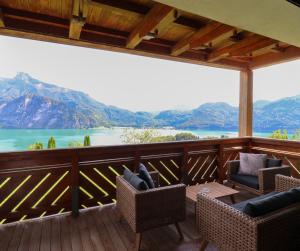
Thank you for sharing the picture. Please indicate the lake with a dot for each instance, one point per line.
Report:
(20, 139)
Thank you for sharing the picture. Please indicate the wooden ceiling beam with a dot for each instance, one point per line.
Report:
(126, 8)
(120, 7)
(226, 51)
(159, 17)
(2, 25)
(79, 14)
(264, 43)
(184, 44)
(205, 35)
(271, 58)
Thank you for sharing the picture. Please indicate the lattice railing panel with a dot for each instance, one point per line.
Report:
(289, 158)
(202, 167)
(39, 183)
(40, 193)
(98, 181)
(168, 167)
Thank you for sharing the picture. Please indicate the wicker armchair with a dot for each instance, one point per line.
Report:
(263, 183)
(232, 230)
(144, 210)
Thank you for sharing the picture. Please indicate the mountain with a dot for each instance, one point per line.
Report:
(26, 102)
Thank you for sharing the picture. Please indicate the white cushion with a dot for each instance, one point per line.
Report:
(250, 163)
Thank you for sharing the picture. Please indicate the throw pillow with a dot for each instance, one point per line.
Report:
(272, 203)
(274, 162)
(250, 163)
(134, 180)
(144, 174)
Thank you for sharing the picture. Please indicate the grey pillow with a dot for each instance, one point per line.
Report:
(250, 163)
(134, 180)
(145, 175)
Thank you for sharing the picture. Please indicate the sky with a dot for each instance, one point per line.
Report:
(139, 83)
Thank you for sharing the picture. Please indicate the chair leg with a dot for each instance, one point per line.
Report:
(138, 239)
(179, 231)
(203, 245)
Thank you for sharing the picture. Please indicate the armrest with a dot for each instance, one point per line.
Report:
(285, 183)
(126, 200)
(159, 206)
(233, 167)
(266, 177)
(224, 225)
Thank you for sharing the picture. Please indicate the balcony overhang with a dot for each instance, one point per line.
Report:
(188, 31)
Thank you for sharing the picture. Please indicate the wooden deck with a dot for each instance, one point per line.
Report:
(97, 229)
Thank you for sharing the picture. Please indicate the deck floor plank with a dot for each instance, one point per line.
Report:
(6, 236)
(55, 234)
(65, 234)
(45, 243)
(35, 237)
(98, 229)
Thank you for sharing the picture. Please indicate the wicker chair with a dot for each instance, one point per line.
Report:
(232, 230)
(263, 183)
(144, 210)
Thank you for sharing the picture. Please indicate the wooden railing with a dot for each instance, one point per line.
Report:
(40, 183)
(288, 151)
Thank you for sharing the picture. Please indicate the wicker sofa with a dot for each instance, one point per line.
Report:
(263, 183)
(232, 230)
(144, 210)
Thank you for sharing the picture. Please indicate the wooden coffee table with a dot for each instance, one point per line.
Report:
(212, 189)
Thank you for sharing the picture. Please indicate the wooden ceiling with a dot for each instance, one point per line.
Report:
(142, 27)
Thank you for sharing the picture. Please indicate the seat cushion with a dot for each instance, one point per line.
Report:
(247, 180)
(271, 202)
(144, 174)
(241, 205)
(134, 180)
(250, 163)
(274, 162)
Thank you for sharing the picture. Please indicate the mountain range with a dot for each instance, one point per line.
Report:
(26, 102)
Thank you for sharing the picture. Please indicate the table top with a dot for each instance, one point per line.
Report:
(214, 190)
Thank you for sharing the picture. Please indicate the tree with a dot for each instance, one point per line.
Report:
(185, 136)
(296, 135)
(51, 143)
(36, 146)
(75, 144)
(134, 136)
(87, 141)
(278, 134)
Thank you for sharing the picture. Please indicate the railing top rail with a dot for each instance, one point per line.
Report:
(276, 142)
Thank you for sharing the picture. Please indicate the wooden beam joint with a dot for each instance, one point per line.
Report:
(155, 22)
(79, 14)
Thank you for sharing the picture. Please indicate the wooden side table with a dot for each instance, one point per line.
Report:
(212, 189)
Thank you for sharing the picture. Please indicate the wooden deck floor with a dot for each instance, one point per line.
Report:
(97, 229)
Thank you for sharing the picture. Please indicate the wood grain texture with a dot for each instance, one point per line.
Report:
(121, 26)
(246, 103)
(214, 190)
(99, 229)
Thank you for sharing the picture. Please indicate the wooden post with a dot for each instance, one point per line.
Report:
(75, 185)
(221, 171)
(246, 103)
(183, 169)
